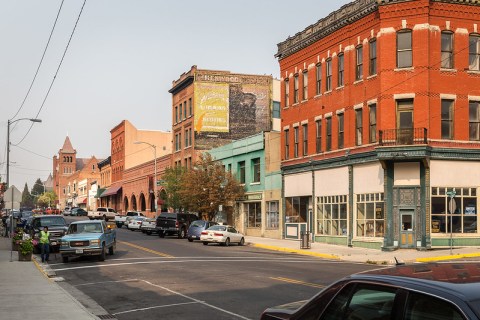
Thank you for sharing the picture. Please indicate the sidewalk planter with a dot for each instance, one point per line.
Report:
(15, 246)
(24, 257)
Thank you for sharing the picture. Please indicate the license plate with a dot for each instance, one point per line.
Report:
(53, 243)
(79, 251)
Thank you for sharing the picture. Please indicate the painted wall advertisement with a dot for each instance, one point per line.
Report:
(229, 107)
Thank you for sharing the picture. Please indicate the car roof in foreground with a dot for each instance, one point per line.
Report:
(462, 278)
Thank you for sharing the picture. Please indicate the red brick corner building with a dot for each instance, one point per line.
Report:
(381, 125)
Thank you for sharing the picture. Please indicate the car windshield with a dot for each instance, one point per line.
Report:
(198, 223)
(129, 214)
(85, 228)
(26, 214)
(218, 228)
(50, 221)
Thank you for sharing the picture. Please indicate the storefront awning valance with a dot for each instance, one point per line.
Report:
(82, 200)
(99, 192)
(111, 190)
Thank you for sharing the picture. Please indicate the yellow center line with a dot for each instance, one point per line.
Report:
(146, 249)
(298, 282)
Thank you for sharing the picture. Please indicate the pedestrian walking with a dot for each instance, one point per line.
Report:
(45, 244)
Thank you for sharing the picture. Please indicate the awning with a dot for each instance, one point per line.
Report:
(111, 190)
(99, 192)
(82, 200)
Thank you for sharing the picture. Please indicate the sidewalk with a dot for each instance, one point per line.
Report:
(363, 255)
(27, 292)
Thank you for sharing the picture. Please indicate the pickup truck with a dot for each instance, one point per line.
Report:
(88, 238)
(102, 213)
(121, 220)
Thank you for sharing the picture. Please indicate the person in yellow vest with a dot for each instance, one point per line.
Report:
(45, 244)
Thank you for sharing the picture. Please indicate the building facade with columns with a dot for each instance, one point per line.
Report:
(381, 125)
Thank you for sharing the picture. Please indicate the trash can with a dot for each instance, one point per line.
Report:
(305, 240)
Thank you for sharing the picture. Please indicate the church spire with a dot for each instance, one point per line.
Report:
(67, 146)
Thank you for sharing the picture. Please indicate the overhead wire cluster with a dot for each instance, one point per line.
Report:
(35, 77)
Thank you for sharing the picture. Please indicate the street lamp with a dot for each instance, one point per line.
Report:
(154, 170)
(8, 143)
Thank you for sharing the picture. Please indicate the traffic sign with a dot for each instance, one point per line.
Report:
(12, 198)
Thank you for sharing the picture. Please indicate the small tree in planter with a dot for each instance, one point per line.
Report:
(17, 237)
(25, 249)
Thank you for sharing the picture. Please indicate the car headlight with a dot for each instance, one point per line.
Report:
(97, 242)
(63, 243)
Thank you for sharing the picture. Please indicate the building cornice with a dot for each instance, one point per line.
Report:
(340, 18)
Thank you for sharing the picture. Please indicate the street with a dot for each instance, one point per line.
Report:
(150, 277)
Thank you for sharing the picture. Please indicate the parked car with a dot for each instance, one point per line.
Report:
(196, 228)
(78, 212)
(67, 211)
(222, 234)
(174, 223)
(88, 238)
(122, 220)
(57, 227)
(103, 213)
(418, 291)
(149, 226)
(135, 223)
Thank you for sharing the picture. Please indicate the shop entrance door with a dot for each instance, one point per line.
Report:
(407, 229)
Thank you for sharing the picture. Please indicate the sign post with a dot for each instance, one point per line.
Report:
(452, 206)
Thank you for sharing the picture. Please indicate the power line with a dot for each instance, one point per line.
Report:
(56, 73)
(40, 63)
(49, 158)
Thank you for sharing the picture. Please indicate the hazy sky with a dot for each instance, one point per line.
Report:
(120, 64)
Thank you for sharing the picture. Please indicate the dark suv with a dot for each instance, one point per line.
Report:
(56, 226)
(174, 223)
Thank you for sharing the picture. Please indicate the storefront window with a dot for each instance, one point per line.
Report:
(296, 209)
(332, 215)
(463, 219)
(272, 215)
(254, 214)
(370, 215)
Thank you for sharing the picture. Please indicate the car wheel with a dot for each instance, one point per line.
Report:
(148, 232)
(242, 242)
(205, 243)
(65, 259)
(181, 233)
(131, 229)
(190, 240)
(227, 242)
(104, 217)
(102, 255)
(161, 234)
(90, 218)
(119, 225)
(111, 250)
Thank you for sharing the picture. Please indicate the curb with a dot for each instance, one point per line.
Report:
(450, 257)
(297, 251)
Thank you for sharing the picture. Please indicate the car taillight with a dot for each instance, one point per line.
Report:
(204, 232)
(218, 234)
(176, 224)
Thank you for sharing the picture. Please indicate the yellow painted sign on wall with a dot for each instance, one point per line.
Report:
(211, 107)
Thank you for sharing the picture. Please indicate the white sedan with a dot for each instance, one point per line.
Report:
(223, 235)
(135, 223)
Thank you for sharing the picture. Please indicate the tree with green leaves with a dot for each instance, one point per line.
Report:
(172, 183)
(47, 199)
(208, 186)
(27, 198)
(38, 188)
